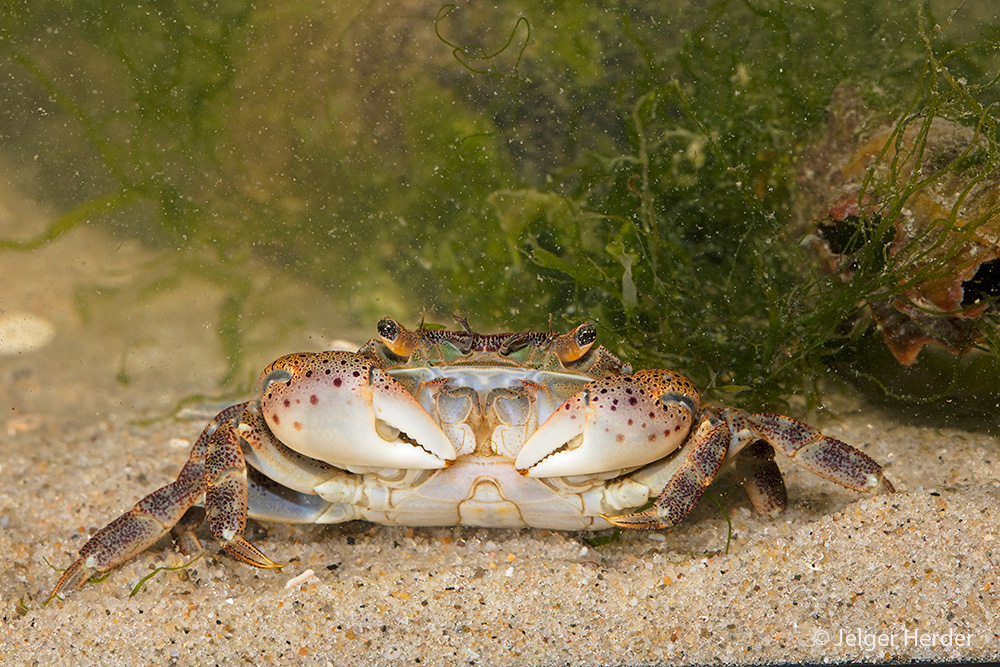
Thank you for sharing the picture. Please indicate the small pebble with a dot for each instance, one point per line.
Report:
(301, 579)
(24, 332)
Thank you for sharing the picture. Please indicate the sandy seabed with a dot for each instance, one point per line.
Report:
(838, 577)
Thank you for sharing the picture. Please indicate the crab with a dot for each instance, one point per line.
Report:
(429, 427)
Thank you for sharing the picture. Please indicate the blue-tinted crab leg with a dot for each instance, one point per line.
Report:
(150, 519)
(762, 479)
(226, 496)
(702, 458)
(272, 501)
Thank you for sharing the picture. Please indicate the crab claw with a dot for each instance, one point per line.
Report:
(614, 423)
(340, 408)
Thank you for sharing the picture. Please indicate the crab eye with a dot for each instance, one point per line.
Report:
(573, 345)
(388, 330)
(585, 335)
(397, 339)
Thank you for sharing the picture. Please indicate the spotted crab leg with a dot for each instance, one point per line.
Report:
(762, 479)
(208, 471)
(226, 496)
(734, 433)
(827, 457)
(691, 475)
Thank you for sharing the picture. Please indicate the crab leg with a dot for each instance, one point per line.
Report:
(183, 531)
(226, 496)
(825, 456)
(762, 479)
(214, 471)
(734, 433)
(697, 469)
(269, 500)
(150, 519)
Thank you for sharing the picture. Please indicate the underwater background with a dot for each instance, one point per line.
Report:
(525, 165)
(759, 194)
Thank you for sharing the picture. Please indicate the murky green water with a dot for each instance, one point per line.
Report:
(626, 164)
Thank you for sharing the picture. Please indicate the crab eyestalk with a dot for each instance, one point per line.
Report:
(343, 409)
(615, 423)
(570, 347)
(398, 339)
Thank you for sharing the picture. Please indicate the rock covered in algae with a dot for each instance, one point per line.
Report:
(922, 188)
